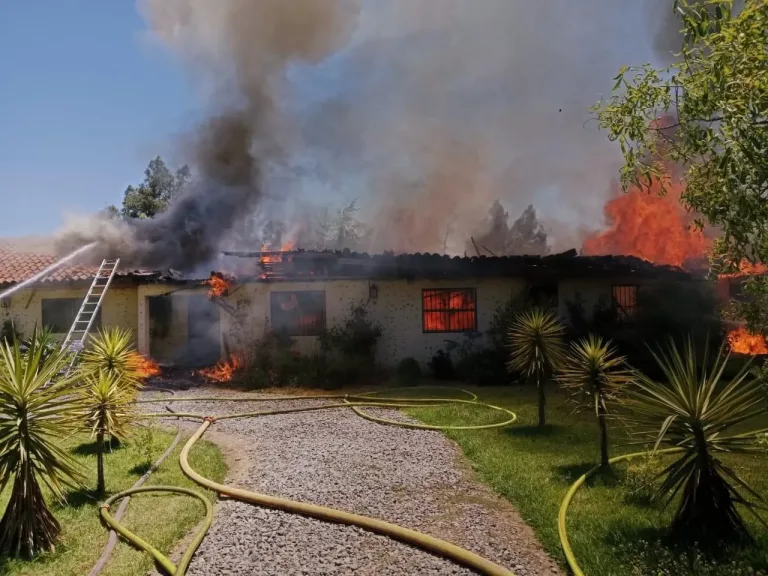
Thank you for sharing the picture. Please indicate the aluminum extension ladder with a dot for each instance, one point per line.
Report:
(75, 338)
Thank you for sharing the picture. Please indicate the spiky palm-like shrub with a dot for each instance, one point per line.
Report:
(698, 412)
(44, 339)
(536, 345)
(107, 400)
(37, 409)
(593, 373)
(112, 350)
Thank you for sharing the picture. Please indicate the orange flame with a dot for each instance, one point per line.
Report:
(742, 342)
(219, 284)
(746, 268)
(652, 227)
(222, 371)
(449, 311)
(286, 247)
(145, 366)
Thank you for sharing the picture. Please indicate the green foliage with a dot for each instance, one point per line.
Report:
(643, 558)
(408, 372)
(672, 309)
(603, 320)
(8, 332)
(147, 444)
(112, 350)
(269, 361)
(355, 337)
(153, 196)
(107, 399)
(350, 348)
(41, 339)
(536, 349)
(707, 113)
(481, 359)
(536, 343)
(441, 366)
(642, 477)
(503, 316)
(37, 410)
(698, 411)
(593, 373)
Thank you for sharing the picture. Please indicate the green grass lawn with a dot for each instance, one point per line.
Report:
(162, 520)
(608, 527)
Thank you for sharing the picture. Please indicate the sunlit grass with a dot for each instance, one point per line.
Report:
(162, 520)
(533, 468)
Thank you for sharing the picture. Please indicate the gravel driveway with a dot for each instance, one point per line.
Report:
(334, 458)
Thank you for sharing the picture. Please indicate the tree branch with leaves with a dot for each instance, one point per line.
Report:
(706, 114)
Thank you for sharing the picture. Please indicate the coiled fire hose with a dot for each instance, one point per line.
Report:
(355, 402)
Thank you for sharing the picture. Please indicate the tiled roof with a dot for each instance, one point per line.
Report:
(344, 263)
(21, 260)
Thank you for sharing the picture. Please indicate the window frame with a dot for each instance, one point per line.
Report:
(625, 313)
(298, 331)
(424, 310)
(76, 304)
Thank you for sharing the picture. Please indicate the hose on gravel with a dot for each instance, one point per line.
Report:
(356, 403)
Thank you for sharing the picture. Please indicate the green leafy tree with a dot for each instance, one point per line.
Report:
(706, 114)
(593, 373)
(159, 188)
(37, 410)
(536, 349)
(699, 412)
(107, 398)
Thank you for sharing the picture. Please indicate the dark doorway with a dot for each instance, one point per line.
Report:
(203, 331)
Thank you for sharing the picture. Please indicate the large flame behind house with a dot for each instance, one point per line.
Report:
(659, 229)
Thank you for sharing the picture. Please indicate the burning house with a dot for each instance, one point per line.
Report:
(419, 300)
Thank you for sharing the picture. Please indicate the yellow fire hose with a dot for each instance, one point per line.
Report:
(570, 557)
(356, 403)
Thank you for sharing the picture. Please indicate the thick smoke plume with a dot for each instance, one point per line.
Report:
(425, 115)
(239, 50)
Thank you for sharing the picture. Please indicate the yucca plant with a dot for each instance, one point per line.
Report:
(107, 400)
(698, 412)
(593, 373)
(535, 339)
(112, 350)
(37, 410)
(44, 339)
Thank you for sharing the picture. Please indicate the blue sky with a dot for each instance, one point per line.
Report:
(84, 104)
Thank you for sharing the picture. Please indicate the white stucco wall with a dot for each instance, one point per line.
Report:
(118, 309)
(397, 309)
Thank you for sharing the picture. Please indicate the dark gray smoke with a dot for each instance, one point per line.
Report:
(238, 50)
(425, 115)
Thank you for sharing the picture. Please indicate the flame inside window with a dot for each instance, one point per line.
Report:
(449, 310)
(298, 313)
(625, 297)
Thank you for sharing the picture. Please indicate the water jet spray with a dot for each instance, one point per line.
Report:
(48, 270)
